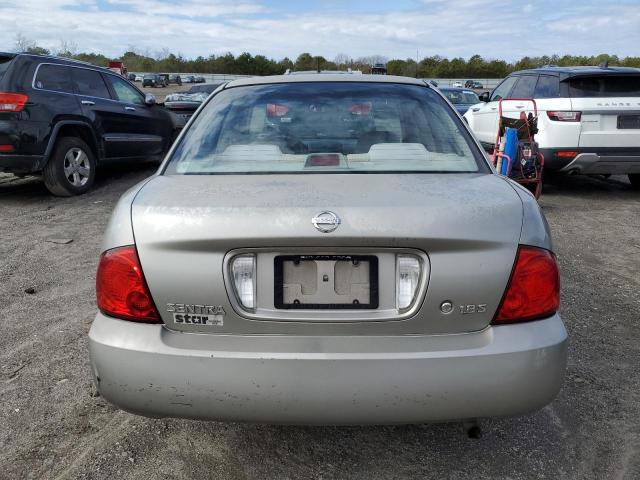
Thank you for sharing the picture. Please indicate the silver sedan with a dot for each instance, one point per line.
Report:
(327, 249)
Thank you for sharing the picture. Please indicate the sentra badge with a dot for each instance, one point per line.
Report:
(197, 314)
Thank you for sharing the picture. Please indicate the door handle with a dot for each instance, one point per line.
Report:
(475, 109)
(87, 102)
(494, 108)
(519, 106)
(130, 109)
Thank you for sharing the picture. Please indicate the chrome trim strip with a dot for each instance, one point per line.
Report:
(35, 74)
(269, 313)
(131, 138)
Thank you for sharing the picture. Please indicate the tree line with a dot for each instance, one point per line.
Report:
(247, 64)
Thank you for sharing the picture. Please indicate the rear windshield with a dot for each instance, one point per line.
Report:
(4, 65)
(605, 86)
(461, 97)
(326, 127)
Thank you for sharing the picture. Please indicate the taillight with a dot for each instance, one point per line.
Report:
(564, 116)
(275, 110)
(323, 160)
(12, 102)
(121, 290)
(533, 291)
(6, 148)
(361, 108)
(566, 154)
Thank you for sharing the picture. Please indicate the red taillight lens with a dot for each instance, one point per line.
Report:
(564, 116)
(323, 160)
(361, 108)
(12, 102)
(534, 288)
(121, 290)
(275, 110)
(566, 154)
(6, 148)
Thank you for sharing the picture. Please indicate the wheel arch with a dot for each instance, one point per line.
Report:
(73, 128)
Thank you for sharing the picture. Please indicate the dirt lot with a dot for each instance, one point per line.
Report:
(53, 427)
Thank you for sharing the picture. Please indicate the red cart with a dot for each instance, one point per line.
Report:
(526, 168)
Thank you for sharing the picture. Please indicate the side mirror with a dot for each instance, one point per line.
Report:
(149, 99)
(484, 97)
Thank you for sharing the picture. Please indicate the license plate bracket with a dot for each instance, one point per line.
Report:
(628, 122)
(326, 282)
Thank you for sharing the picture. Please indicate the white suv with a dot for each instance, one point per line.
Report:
(589, 117)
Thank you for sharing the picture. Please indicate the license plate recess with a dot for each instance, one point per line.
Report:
(628, 122)
(326, 282)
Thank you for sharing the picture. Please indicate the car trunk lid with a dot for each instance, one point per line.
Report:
(467, 227)
(610, 109)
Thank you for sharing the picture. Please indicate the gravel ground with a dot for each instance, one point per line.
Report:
(52, 425)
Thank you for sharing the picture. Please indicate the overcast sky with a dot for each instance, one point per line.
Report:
(278, 28)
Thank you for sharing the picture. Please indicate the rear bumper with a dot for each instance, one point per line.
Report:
(595, 161)
(150, 370)
(591, 163)
(21, 163)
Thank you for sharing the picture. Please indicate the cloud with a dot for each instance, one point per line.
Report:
(491, 28)
(189, 8)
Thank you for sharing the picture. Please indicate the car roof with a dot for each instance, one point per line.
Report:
(60, 60)
(576, 71)
(324, 77)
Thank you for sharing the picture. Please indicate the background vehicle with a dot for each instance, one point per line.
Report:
(461, 98)
(589, 117)
(165, 78)
(473, 84)
(379, 69)
(131, 77)
(138, 78)
(199, 80)
(176, 79)
(183, 105)
(206, 88)
(154, 80)
(63, 118)
(189, 79)
(363, 301)
(457, 85)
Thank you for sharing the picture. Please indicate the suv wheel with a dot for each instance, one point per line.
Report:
(634, 178)
(71, 168)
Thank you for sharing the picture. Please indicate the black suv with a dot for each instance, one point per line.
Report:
(63, 118)
(154, 80)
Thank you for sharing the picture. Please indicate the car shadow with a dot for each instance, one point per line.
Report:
(403, 451)
(566, 185)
